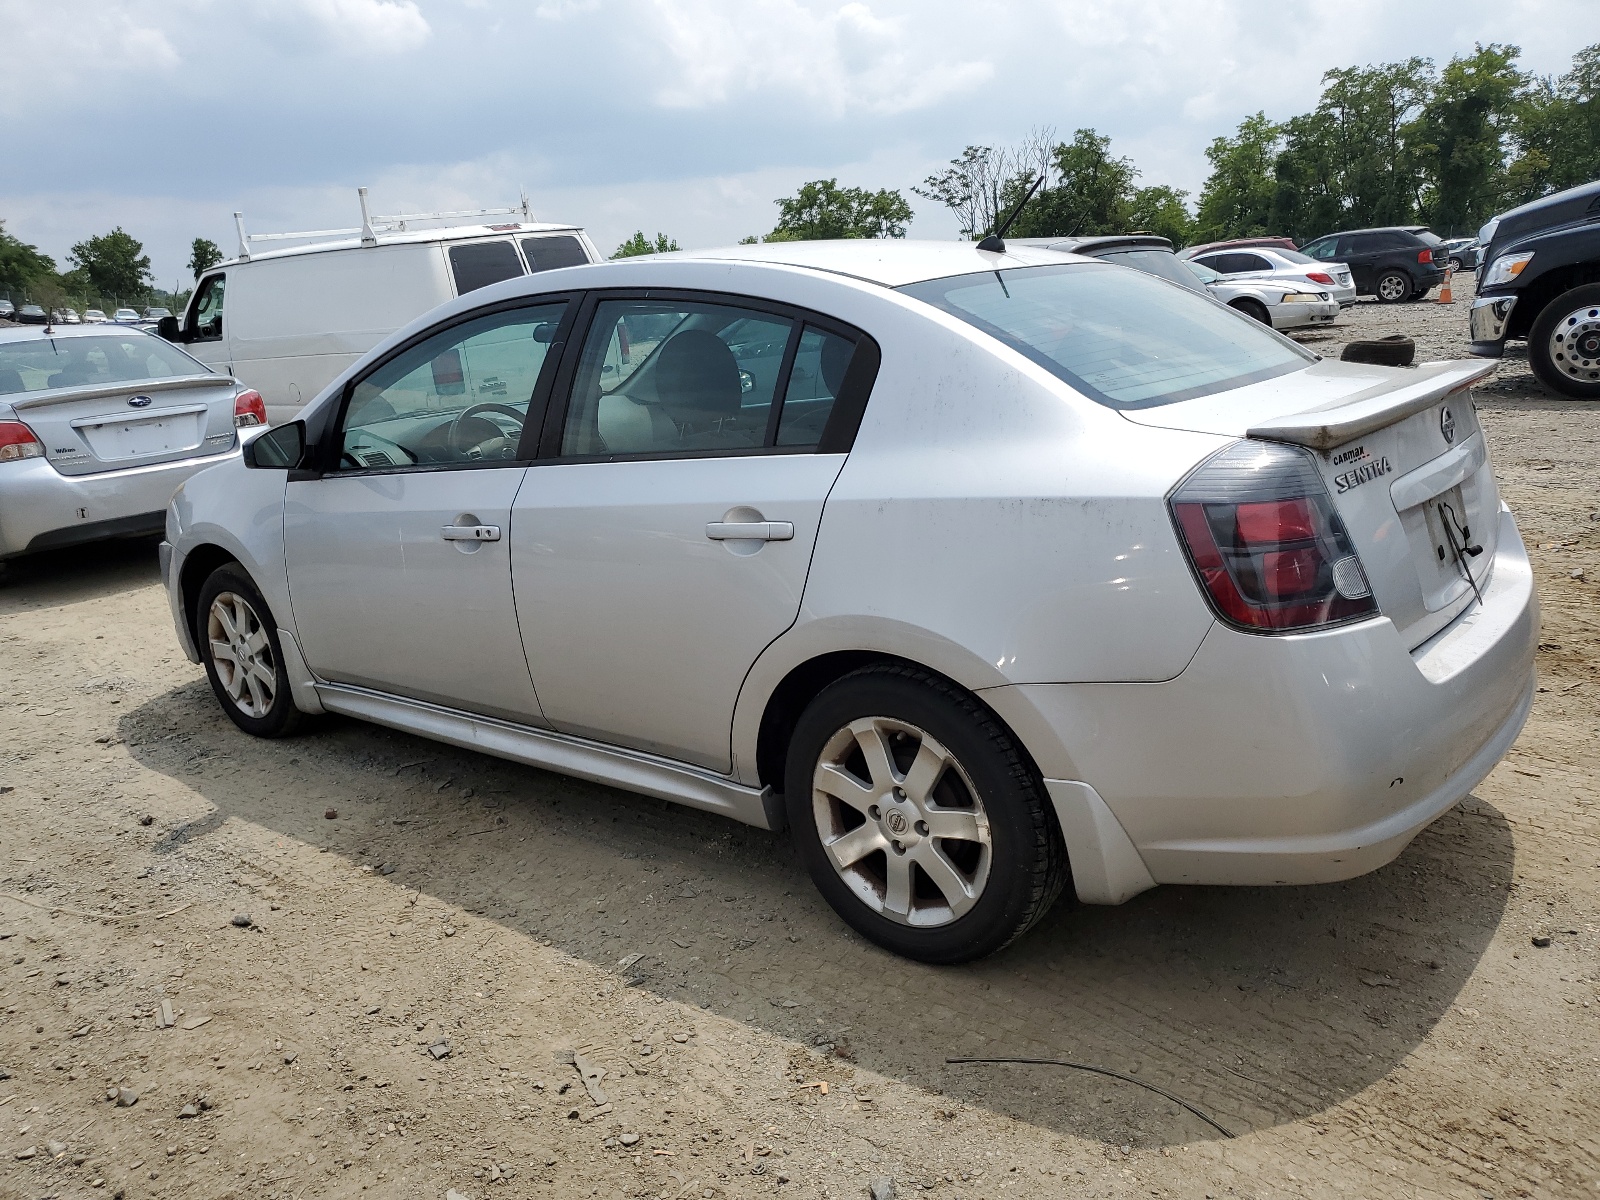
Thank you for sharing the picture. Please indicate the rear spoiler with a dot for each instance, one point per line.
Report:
(1365, 412)
(25, 400)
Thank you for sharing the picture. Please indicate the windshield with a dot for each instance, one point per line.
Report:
(1205, 273)
(1119, 337)
(38, 364)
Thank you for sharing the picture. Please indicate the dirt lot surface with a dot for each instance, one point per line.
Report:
(398, 1015)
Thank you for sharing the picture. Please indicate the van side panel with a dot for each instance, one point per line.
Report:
(294, 323)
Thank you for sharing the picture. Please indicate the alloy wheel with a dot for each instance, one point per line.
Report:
(901, 822)
(1575, 345)
(242, 654)
(1393, 286)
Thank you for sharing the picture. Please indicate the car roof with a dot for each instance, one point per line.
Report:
(892, 262)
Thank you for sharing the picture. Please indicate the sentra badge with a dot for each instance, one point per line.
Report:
(1364, 473)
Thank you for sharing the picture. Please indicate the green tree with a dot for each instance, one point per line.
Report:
(1307, 191)
(203, 255)
(22, 266)
(1370, 119)
(822, 210)
(1557, 131)
(1162, 210)
(1092, 191)
(114, 263)
(1236, 200)
(639, 244)
(1464, 133)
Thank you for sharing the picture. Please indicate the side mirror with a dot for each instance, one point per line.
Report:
(167, 327)
(279, 449)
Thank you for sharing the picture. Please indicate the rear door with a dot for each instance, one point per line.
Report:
(663, 542)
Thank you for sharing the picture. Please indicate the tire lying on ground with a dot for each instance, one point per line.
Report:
(1396, 350)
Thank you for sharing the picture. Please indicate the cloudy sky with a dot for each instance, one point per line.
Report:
(687, 116)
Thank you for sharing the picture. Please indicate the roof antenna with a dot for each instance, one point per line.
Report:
(244, 245)
(995, 242)
(368, 237)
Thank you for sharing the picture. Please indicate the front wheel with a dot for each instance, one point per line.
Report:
(1564, 343)
(1393, 287)
(238, 641)
(919, 817)
(1253, 308)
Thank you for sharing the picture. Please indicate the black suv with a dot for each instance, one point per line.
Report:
(1541, 281)
(1400, 263)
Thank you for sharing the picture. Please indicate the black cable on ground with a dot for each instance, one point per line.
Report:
(1078, 1066)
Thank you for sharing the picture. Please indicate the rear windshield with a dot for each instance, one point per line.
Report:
(1293, 256)
(1163, 264)
(38, 364)
(1120, 337)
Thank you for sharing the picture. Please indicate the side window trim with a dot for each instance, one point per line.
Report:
(324, 452)
(843, 421)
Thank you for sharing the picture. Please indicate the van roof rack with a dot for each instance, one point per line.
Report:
(371, 226)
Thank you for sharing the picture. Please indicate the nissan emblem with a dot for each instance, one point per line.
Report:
(1447, 424)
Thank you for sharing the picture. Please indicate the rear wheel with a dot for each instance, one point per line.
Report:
(1455, 264)
(1564, 343)
(919, 818)
(238, 641)
(1392, 286)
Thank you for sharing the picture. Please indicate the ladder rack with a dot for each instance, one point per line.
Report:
(371, 226)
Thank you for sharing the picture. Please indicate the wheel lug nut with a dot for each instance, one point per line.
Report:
(899, 794)
(922, 828)
(874, 812)
(898, 848)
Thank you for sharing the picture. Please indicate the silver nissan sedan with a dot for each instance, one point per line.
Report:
(984, 572)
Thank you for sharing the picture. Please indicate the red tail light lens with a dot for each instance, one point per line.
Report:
(1319, 277)
(1425, 256)
(17, 442)
(1266, 542)
(249, 409)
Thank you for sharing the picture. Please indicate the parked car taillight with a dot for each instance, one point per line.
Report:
(1320, 277)
(1266, 542)
(17, 441)
(1425, 256)
(249, 409)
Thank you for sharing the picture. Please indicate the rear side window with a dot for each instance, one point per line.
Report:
(815, 381)
(481, 263)
(1119, 337)
(548, 253)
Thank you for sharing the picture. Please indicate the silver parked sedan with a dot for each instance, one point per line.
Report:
(985, 572)
(1281, 266)
(1281, 305)
(98, 427)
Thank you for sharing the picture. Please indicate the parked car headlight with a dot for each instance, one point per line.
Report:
(1303, 298)
(1506, 268)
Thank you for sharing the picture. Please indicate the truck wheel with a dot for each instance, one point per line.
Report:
(238, 642)
(1564, 343)
(919, 817)
(1393, 286)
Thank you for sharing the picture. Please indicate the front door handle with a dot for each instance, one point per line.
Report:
(756, 531)
(470, 533)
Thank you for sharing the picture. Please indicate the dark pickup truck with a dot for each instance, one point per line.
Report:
(1540, 280)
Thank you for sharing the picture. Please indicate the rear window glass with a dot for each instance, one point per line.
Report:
(548, 253)
(1294, 256)
(1119, 337)
(39, 364)
(482, 263)
(1163, 264)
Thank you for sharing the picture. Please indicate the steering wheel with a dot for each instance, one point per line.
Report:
(473, 410)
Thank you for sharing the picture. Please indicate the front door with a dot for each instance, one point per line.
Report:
(399, 557)
(204, 334)
(666, 541)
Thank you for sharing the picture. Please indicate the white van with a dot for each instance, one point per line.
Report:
(286, 322)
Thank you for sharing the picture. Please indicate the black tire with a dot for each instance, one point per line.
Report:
(1395, 350)
(1420, 294)
(1392, 286)
(1025, 866)
(1253, 308)
(263, 710)
(1571, 366)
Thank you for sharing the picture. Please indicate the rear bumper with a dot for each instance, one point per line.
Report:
(1302, 759)
(41, 509)
(1487, 323)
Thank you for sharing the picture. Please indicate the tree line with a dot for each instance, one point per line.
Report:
(106, 271)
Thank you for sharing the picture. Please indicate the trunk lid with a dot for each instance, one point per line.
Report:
(1404, 460)
(137, 423)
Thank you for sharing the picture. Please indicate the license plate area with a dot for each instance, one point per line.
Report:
(1442, 532)
(160, 434)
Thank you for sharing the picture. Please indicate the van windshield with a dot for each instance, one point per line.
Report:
(1119, 337)
(39, 364)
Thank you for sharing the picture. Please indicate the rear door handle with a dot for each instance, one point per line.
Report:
(757, 531)
(470, 533)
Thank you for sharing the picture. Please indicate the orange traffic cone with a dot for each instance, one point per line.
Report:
(1444, 293)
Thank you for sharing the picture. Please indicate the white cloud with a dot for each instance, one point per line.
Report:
(365, 26)
(57, 52)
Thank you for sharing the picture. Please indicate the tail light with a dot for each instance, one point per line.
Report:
(249, 409)
(1319, 277)
(17, 442)
(1425, 256)
(1266, 542)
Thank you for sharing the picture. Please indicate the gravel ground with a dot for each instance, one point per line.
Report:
(398, 1016)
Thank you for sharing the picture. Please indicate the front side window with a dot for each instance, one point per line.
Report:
(207, 310)
(673, 377)
(460, 396)
(36, 366)
(478, 264)
(1119, 337)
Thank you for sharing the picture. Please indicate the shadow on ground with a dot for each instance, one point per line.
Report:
(98, 570)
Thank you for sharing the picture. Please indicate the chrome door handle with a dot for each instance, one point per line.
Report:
(470, 533)
(755, 531)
